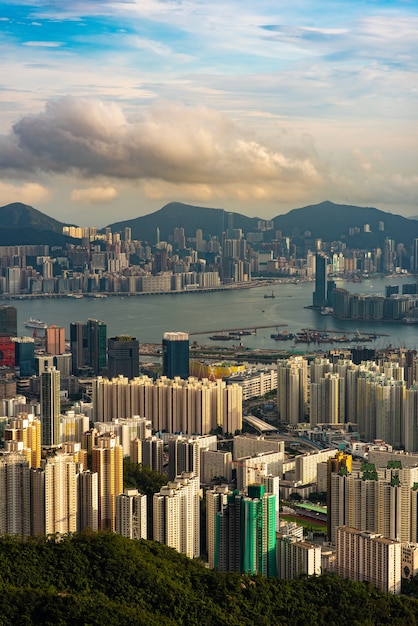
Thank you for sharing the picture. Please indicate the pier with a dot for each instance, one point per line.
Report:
(235, 330)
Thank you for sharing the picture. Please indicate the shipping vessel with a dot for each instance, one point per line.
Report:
(34, 323)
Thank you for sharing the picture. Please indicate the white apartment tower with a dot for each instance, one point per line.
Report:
(364, 556)
(292, 389)
(131, 514)
(176, 521)
(14, 495)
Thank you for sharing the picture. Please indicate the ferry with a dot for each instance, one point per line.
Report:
(34, 323)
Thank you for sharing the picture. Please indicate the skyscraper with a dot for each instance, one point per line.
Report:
(88, 501)
(245, 539)
(176, 520)
(78, 345)
(107, 461)
(123, 356)
(176, 355)
(369, 557)
(55, 340)
(8, 321)
(131, 514)
(292, 389)
(50, 408)
(320, 293)
(14, 495)
(88, 346)
(25, 355)
(25, 429)
(97, 345)
(340, 462)
(61, 495)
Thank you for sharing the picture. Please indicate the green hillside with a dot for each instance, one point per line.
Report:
(106, 579)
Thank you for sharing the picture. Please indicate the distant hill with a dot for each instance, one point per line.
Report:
(331, 222)
(21, 224)
(18, 215)
(327, 221)
(179, 215)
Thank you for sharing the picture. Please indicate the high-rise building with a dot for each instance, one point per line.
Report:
(126, 430)
(216, 501)
(13, 275)
(14, 495)
(73, 425)
(176, 355)
(55, 340)
(25, 355)
(54, 500)
(88, 346)
(97, 345)
(107, 461)
(335, 465)
(78, 345)
(215, 464)
(7, 352)
(369, 557)
(152, 449)
(131, 514)
(187, 406)
(327, 400)
(292, 389)
(251, 470)
(297, 558)
(320, 293)
(25, 429)
(50, 408)
(184, 453)
(88, 501)
(123, 356)
(245, 536)
(176, 515)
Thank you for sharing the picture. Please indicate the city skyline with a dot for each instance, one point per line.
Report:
(127, 106)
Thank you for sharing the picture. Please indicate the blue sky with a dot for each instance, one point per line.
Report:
(109, 110)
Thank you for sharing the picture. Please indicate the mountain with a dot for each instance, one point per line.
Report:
(327, 221)
(331, 222)
(179, 215)
(21, 224)
(18, 215)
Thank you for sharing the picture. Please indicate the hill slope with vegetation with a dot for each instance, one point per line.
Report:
(97, 578)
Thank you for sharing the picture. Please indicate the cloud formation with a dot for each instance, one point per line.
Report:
(170, 143)
(27, 193)
(94, 195)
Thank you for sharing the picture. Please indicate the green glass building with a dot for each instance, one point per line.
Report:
(246, 533)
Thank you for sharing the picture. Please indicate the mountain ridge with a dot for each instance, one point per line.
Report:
(329, 221)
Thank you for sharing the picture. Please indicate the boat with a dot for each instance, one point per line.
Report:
(221, 337)
(282, 336)
(34, 323)
(269, 295)
(410, 320)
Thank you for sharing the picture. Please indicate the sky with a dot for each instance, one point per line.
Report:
(111, 109)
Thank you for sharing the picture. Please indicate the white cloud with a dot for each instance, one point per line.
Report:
(27, 193)
(43, 44)
(94, 195)
(168, 142)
